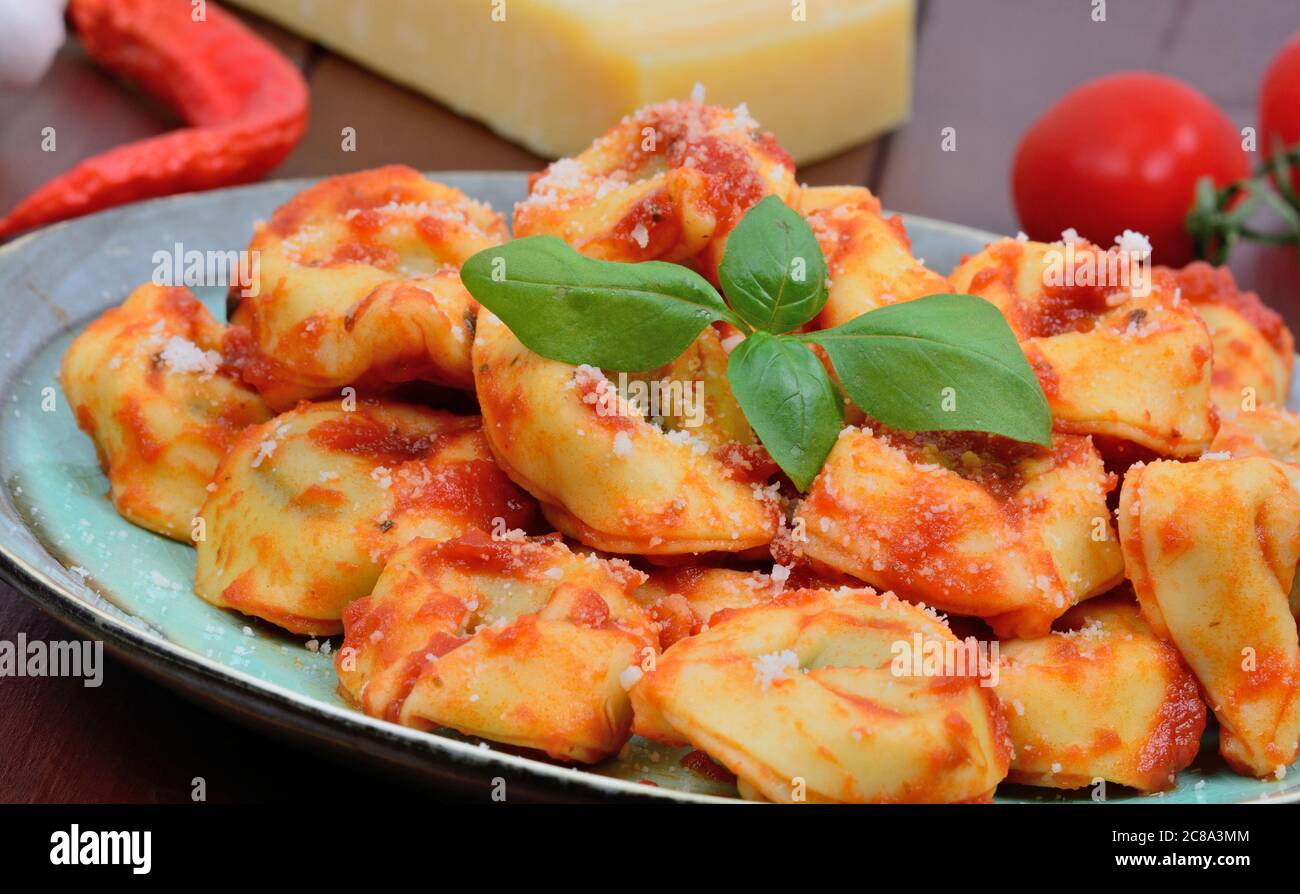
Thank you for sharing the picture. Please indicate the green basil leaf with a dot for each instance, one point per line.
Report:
(567, 307)
(939, 363)
(789, 400)
(773, 272)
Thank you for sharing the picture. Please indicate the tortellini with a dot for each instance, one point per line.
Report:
(1211, 548)
(804, 699)
(1085, 342)
(605, 473)
(1253, 349)
(147, 382)
(515, 640)
(683, 601)
(668, 183)
(972, 524)
(868, 256)
(359, 285)
(306, 508)
(1265, 431)
(605, 553)
(1103, 699)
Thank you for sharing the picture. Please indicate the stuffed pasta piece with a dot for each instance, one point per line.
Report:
(868, 256)
(610, 475)
(516, 640)
(1211, 548)
(667, 183)
(805, 698)
(359, 285)
(1264, 431)
(306, 508)
(147, 382)
(1087, 320)
(683, 600)
(1253, 349)
(1103, 698)
(972, 524)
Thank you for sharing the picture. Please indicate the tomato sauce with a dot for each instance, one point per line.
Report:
(363, 435)
(476, 552)
(474, 490)
(1201, 283)
(700, 763)
(136, 429)
(589, 609)
(1177, 736)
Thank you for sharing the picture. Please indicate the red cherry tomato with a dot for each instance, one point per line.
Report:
(1279, 101)
(1124, 152)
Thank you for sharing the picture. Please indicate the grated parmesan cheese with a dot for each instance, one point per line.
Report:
(1133, 242)
(159, 580)
(184, 356)
(769, 669)
(629, 676)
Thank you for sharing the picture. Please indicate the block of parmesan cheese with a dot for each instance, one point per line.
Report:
(822, 75)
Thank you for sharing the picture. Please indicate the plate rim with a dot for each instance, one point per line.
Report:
(148, 651)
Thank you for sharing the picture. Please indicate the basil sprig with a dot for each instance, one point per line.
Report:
(938, 363)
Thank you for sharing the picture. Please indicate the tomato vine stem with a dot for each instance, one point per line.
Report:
(1219, 216)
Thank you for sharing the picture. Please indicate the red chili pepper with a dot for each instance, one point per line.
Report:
(245, 103)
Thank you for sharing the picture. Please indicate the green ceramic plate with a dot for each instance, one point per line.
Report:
(62, 543)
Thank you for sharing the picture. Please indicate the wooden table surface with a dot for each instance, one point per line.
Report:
(984, 67)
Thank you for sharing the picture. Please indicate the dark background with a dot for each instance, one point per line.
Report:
(984, 67)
